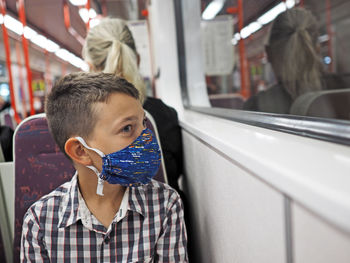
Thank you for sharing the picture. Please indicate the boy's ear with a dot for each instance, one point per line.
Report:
(77, 152)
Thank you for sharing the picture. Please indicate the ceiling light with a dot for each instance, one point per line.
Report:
(29, 33)
(94, 22)
(62, 54)
(51, 46)
(78, 2)
(272, 14)
(213, 9)
(39, 40)
(13, 24)
(250, 29)
(290, 3)
(92, 13)
(84, 14)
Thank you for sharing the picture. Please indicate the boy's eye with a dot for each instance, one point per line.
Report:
(127, 128)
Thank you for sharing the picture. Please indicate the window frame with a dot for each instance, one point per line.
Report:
(331, 130)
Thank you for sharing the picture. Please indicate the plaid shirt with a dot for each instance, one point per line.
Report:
(149, 227)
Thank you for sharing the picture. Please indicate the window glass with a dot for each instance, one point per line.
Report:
(286, 57)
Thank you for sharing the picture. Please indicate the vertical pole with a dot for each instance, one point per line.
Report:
(63, 68)
(48, 82)
(21, 82)
(244, 82)
(145, 13)
(8, 61)
(22, 17)
(330, 34)
(87, 6)
(70, 29)
(301, 3)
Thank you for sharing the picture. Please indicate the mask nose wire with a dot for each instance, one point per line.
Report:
(100, 181)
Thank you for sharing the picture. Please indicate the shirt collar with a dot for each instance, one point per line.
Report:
(71, 208)
(69, 205)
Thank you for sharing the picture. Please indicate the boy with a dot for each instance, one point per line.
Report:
(120, 215)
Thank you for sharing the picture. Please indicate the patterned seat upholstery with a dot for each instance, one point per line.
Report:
(8, 121)
(40, 167)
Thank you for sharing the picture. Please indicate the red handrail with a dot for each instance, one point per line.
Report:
(8, 61)
(68, 26)
(245, 91)
(87, 6)
(22, 17)
(21, 82)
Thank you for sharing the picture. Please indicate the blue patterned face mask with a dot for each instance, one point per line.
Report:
(133, 165)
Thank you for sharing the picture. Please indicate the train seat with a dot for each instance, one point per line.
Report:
(9, 121)
(37, 158)
(327, 104)
(229, 101)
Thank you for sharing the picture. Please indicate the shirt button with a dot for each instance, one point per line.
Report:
(107, 239)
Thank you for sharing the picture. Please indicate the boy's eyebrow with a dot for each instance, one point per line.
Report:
(130, 118)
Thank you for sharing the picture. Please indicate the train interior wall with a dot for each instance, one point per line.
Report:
(254, 195)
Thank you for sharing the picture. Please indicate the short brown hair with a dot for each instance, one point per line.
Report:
(69, 106)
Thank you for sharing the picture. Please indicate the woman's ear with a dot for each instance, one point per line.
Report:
(77, 152)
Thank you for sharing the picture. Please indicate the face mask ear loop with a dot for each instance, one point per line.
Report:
(100, 181)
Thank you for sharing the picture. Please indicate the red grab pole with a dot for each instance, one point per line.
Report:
(22, 17)
(245, 91)
(67, 24)
(8, 61)
(87, 6)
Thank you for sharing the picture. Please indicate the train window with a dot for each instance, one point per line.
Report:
(289, 58)
(5, 91)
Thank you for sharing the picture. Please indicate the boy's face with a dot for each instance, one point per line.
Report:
(119, 123)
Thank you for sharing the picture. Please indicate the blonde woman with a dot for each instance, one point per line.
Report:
(110, 47)
(293, 52)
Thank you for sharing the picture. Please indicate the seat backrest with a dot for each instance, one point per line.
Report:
(229, 101)
(161, 175)
(333, 104)
(6, 239)
(8, 120)
(40, 167)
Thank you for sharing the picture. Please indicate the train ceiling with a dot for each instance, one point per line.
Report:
(46, 16)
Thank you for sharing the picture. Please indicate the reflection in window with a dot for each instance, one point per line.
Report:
(297, 59)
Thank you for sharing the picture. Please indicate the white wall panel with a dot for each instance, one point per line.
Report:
(163, 34)
(238, 218)
(316, 241)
